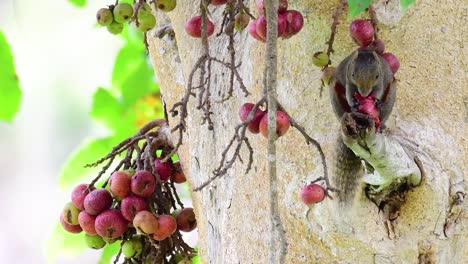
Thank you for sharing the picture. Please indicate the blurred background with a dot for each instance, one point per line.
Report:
(64, 120)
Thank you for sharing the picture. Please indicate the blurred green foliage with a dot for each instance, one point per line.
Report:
(10, 92)
(356, 7)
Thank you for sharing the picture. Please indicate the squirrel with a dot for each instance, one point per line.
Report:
(362, 82)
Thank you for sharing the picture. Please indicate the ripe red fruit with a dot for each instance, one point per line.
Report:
(87, 222)
(145, 222)
(312, 193)
(362, 32)
(253, 31)
(178, 175)
(131, 205)
(282, 124)
(366, 105)
(75, 229)
(392, 61)
(186, 220)
(78, 195)
(163, 169)
(378, 45)
(294, 23)
(111, 224)
(167, 225)
(218, 2)
(119, 184)
(97, 201)
(143, 183)
(159, 237)
(193, 27)
(261, 26)
(283, 6)
(244, 112)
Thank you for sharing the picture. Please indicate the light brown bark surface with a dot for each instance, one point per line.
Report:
(233, 212)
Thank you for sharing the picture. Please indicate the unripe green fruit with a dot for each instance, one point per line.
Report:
(241, 21)
(115, 28)
(144, 10)
(109, 240)
(320, 59)
(95, 242)
(70, 214)
(104, 17)
(327, 75)
(146, 23)
(132, 248)
(123, 12)
(166, 5)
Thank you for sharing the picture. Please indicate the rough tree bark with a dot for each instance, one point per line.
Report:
(431, 110)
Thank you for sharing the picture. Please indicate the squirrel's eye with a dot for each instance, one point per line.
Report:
(377, 76)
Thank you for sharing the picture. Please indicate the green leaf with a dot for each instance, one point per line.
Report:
(140, 82)
(64, 243)
(10, 91)
(78, 3)
(127, 61)
(74, 172)
(196, 260)
(406, 3)
(109, 252)
(107, 109)
(357, 6)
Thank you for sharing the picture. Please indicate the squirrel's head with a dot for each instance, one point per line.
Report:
(365, 71)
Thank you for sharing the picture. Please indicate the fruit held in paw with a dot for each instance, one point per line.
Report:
(241, 21)
(115, 28)
(111, 224)
(193, 27)
(70, 214)
(218, 2)
(253, 31)
(123, 12)
(244, 112)
(282, 6)
(75, 229)
(392, 61)
(78, 195)
(94, 241)
(87, 222)
(282, 124)
(119, 184)
(143, 183)
(167, 225)
(146, 23)
(186, 220)
(312, 193)
(163, 169)
(97, 201)
(178, 175)
(362, 32)
(132, 248)
(131, 205)
(320, 59)
(104, 17)
(166, 5)
(145, 222)
(366, 105)
(294, 23)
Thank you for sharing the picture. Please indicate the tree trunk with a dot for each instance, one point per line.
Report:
(431, 110)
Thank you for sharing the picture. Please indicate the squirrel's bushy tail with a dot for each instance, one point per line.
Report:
(347, 172)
